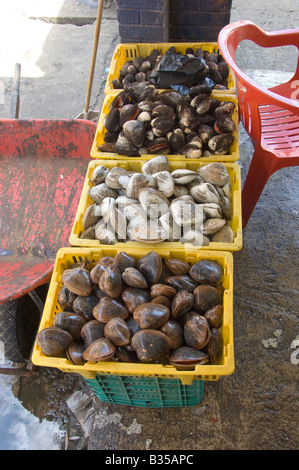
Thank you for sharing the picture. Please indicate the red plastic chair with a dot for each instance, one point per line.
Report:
(270, 116)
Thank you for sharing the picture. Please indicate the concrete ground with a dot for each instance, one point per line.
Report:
(256, 407)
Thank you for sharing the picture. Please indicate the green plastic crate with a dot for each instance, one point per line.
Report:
(147, 392)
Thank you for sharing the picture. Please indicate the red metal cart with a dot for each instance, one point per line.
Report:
(42, 169)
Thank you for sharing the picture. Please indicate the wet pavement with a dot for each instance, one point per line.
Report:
(255, 408)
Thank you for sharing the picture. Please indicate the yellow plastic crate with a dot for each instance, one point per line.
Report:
(232, 156)
(66, 257)
(133, 165)
(124, 52)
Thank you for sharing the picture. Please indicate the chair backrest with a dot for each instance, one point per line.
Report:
(251, 95)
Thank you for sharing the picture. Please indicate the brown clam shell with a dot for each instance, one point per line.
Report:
(100, 350)
(66, 298)
(214, 316)
(132, 277)
(71, 322)
(108, 308)
(91, 331)
(150, 266)
(207, 272)
(53, 341)
(133, 297)
(197, 332)
(151, 315)
(150, 345)
(177, 266)
(173, 330)
(215, 346)
(162, 300)
(117, 331)
(77, 280)
(206, 297)
(122, 260)
(181, 282)
(74, 353)
(182, 303)
(185, 358)
(83, 305)
(163, 289)
(111, 281)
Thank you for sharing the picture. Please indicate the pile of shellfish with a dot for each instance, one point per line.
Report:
(146, 310)
(157, 204)
(143, 121)
(142, 69)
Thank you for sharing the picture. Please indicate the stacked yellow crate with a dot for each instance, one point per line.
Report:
(143, 391)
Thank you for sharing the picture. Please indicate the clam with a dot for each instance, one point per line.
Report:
(128, 112)
(83, 305)
(117, 221)
(224, 235)
(106, 204)
(197, 332)
(150, 345)
(186, 357)
(134, 131)
(77, 280)
(214, 316)
(212, 210)
(66, 298)
(173, 330)
(201, 103)
(124, 355)
(224, 124)
(206, 297)
(182, 303)
(164, 111)
(150, 265)
(122, 260)
(161, 126)
(99, 268)
(204, 192)
(211, 226)
(135, 215)
(117, 331)
(124, 146)
(193, 237)
(104, 233)
(180, 190)
(111, 179)
(176, 139)
(207, 272)
(186, 213)
(99, 174)
(120, 100)
(132, 277)
(148, 232)
(181, 282)
(133, 325)
(177, 266)
(53, 341)
(205, 132)
(162, 300)
(89, 233)
(111, 281)
(192, 150)
(155, 165)
(162, 289)
(111, 120)
(146, 118)
(159, 145)
(214, 173)
(150, 315)
(91, 216)
(133, 297)
(220, 144)
(91, 331)
(100, 350)
(71, 322)
(74, 353)
(108, 308)
(100, 191)
(164, 182)
(153, 202)
(183, 176)
(171, 228)
(226, 207)
(215, 346)
(136, 182)
(171, 98)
